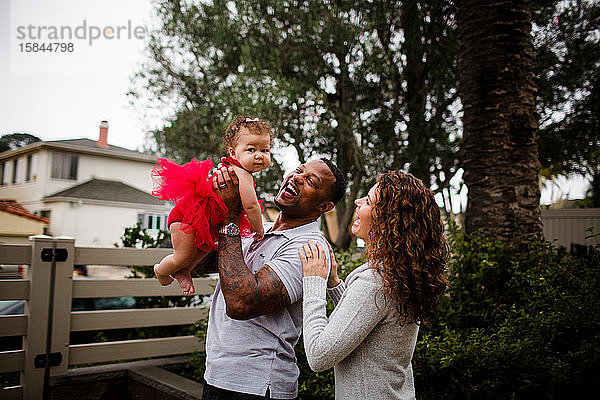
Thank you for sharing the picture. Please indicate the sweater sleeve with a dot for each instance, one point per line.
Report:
(327, 341)
(335, 293)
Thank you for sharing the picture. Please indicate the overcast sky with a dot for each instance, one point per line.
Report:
(60, 95)
(66, 93)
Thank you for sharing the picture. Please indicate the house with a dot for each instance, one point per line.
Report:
(87, 189)
(17, 224)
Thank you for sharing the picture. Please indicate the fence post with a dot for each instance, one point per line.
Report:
(61, 305)
(37, 310)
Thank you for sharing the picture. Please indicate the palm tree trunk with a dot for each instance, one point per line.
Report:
(500, 126)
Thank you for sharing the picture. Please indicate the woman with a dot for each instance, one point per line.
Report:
(370, 336)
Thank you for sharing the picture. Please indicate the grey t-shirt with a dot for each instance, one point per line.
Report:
(253, 355)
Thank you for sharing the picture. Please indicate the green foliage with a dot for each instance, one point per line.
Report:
(16, 140)
(516, 322)
(139, 237)
(197, 365)
(348, 80)
(568, 56)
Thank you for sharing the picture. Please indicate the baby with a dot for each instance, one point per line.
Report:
(199, 212)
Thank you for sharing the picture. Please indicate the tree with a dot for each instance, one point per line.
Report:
(349, 80)
(500, 155)
(568, 57)
(16, 140)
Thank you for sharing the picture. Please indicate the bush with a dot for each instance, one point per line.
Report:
(516, 322)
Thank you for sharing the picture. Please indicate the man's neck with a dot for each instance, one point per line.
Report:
(285, 222)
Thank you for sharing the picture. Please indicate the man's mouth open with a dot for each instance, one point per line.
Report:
(289, 191)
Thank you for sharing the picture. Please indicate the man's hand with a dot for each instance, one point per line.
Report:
(226, 184)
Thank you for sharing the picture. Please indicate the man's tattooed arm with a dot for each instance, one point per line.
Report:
(247, 295)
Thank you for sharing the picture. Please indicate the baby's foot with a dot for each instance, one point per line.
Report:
(162, 279)
(185, 281)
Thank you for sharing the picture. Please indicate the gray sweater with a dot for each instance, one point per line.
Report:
(369, 351)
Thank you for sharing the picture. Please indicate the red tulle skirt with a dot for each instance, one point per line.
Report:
(197, 206)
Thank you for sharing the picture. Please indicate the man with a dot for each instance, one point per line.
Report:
(255, 318)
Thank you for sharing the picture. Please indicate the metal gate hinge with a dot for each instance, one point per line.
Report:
(45, 360)
(54, 255)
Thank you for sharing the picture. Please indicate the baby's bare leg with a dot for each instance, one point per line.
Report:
(184, 252)
(184, 276)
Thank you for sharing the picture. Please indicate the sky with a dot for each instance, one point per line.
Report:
(65, 93)
(62, 95)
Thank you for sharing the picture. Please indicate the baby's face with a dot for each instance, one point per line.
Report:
(252, 151)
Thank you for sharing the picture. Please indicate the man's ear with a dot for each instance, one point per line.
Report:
(326, 207)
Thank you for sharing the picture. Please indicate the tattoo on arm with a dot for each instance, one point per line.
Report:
(247, 295)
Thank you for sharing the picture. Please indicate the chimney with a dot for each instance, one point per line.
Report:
(103, 139)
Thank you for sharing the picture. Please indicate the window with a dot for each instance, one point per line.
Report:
(45, 214)
(28, 170)
(152, 221)
(64, 165)
(14, 171)
(3, 172)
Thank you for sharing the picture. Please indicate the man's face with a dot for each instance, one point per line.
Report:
(306, 189)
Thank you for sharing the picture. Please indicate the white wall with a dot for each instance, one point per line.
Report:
(40, 185)
(25, 191)
(133, 173)
(92, 224)
(29, 194)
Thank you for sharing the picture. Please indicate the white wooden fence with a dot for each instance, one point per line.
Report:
(48, 319)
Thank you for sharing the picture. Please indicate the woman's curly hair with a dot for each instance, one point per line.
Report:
(407, 245)
(255, 126)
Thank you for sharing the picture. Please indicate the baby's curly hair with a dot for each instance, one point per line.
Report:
(255, 126)
(407, 245)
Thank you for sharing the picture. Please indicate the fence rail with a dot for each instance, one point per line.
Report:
(92, 288)
(48, 321)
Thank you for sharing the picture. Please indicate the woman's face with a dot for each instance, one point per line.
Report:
(364, 206)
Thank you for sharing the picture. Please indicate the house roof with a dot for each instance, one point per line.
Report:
(86, 146)
(13, 207)
(106, 190)
(84, 142)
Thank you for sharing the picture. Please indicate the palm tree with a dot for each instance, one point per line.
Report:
(497, 89)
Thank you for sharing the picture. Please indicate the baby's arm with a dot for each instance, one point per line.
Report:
(250, 201)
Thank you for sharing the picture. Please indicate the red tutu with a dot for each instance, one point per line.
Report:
(201, 210)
